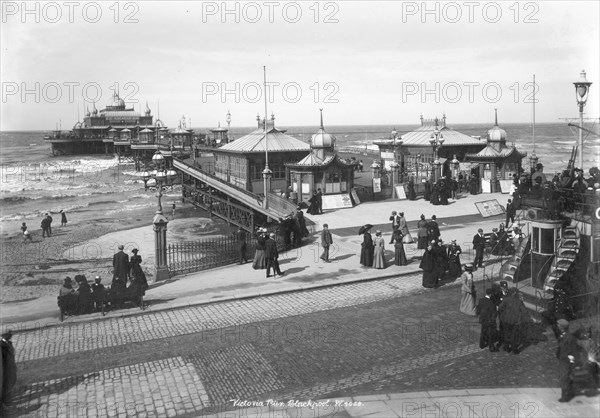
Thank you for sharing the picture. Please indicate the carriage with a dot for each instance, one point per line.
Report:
(104, 301)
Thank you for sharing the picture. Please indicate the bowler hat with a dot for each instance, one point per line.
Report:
(121, 246)
(135, 250)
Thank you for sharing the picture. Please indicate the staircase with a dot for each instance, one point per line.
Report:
(509, 270)
(565, 256)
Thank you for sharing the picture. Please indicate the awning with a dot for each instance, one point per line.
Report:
(467, 166)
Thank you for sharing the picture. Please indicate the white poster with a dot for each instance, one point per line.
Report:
(376, 185)
(486, 186)
(400, 192)
(336, 201)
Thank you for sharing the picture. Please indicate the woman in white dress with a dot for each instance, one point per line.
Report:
(467, 291)
(379, 255)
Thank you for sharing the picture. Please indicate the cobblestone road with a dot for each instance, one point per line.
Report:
(385, 335)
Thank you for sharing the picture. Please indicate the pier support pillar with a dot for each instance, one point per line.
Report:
(160, 246)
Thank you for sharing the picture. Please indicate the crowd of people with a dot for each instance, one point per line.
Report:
(45, 224)
(129, 283)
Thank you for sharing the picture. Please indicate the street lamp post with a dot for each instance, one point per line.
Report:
(436, 140)
(394, 166)
(397, 143)
(159, 178)
(228, 119)
(582, 89)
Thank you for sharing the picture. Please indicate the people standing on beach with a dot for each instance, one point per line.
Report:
(326, 241)
(422, 234)
(259, 262)
(49, 223)
(45, 226)
(120, 269)
(26, 235)
(379, 251)
(63, 218)
(272, 256)
(9, 367)
(478, 246)
(467, 291)
(240, 236)
(367, 249)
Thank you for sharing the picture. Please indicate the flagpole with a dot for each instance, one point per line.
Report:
(266, 172)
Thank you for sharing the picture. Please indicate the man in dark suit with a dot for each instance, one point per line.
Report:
(395, 223)
(272, 256)
(511, 211)
(240, 235)
(120, 268)
(326, 241)
(487, 313)
(479, 246)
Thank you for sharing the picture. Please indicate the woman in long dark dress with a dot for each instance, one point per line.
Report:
(259, 262)
(435, 195)
(454, 267)
(428, 267)
(368, 250)
(411, 190)
(139, 284)
(422, 234)
(399, 255)
(313, 208)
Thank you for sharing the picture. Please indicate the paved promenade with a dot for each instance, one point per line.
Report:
(230, 342)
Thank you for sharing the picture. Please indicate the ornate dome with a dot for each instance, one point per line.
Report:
(322, 139)
(115, 101)
(496, 133)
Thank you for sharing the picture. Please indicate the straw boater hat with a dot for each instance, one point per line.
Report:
(272, 234)
(468, 267)
(97, 278)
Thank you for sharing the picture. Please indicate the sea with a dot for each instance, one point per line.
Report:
(34, 182)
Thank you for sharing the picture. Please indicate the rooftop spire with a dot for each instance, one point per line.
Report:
(496, 116)
(321, 110)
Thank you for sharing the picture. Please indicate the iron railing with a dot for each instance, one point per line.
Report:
(208, 253)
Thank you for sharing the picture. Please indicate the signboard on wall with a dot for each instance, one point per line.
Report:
(489, 208)
(376, 185)
(506, 186)
(486, 186)
(336, 201)
(355, 196)
(400, 192)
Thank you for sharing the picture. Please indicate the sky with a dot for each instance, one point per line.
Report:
(363, 62)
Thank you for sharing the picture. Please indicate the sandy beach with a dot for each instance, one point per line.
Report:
(86, 246)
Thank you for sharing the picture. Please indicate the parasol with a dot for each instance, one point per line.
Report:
(364, 229)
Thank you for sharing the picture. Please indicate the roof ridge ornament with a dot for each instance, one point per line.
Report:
(321, 110)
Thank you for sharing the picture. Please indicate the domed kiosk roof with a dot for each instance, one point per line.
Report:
(322, 139)
(115, 101)
(496, 133)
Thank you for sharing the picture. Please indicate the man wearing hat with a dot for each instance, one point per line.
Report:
(510, 212)
(120, 268)
(326, 241)
(272, 255)
(454, 266)
(9, 367)
(495, 242)
(566, 354)
(479, 246)
(486, 311)
(395, 224)
(97, 292)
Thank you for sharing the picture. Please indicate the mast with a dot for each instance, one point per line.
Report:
(533, 152)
